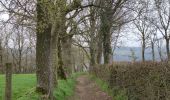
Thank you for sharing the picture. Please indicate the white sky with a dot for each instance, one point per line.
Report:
(129, 39)
(4, 17)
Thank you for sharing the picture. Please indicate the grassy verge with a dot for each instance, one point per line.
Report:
(21, 83)
(66, 88)
(24, 87)
(115, 93)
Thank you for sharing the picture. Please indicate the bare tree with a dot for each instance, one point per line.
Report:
(163, 21)
(142, 25)
(113, 16)
(18, 41)
(159, 44)
(153, 39)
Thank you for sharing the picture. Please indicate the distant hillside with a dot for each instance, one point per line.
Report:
(123, 53)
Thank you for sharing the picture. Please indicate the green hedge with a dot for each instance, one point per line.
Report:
(136, 81)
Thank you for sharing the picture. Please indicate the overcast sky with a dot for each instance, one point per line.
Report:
(128, 39)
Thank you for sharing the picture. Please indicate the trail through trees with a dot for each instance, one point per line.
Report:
(87, 89)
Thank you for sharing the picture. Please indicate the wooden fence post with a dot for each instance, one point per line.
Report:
(8, 87)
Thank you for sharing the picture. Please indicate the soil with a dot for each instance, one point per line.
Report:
(87, 89)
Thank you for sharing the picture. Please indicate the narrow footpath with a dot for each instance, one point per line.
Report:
(87, 89)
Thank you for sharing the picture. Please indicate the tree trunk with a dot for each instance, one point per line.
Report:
(54, 51)
(92, 52)
(61, 32)
(26, 62)
(153, 51)
(143, 48)
(43, 51)
(159, 48)
(43, 70)
(20, 61)
(106, 26)
(61, 72)
(167, 49)
(67, 54)
(92, 43)
(107, 48)
(92, 55)
(99, 48)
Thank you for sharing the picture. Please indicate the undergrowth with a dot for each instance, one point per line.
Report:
(116, 95)
(136, 81)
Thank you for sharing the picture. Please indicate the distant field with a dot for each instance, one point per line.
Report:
(20, 84)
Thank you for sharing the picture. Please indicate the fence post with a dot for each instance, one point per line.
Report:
(8, 87)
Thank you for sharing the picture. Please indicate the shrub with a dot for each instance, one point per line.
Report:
(138, 81)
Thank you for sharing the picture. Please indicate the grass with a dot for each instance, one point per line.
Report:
(23, 86)
(20, 84)
(116, 94)
(66, 88)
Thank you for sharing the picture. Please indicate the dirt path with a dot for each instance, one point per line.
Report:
(88, 90)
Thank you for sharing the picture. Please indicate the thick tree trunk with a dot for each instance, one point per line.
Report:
(92, 52)
(99, 48)
(43, 63)
(43, 51)
(107, 48)
(67, 54)
(92, 43)
(106, 26)
(61, 32)
(61, 72)
(54, 51)
(92, 55)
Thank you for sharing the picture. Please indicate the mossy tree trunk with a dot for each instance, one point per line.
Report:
(99, 48)
(67, 54)
(61, 72)
(43, 51)
(54, 50)
(105, 29)
(107, 20)
(62, 33)
(92, 35)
